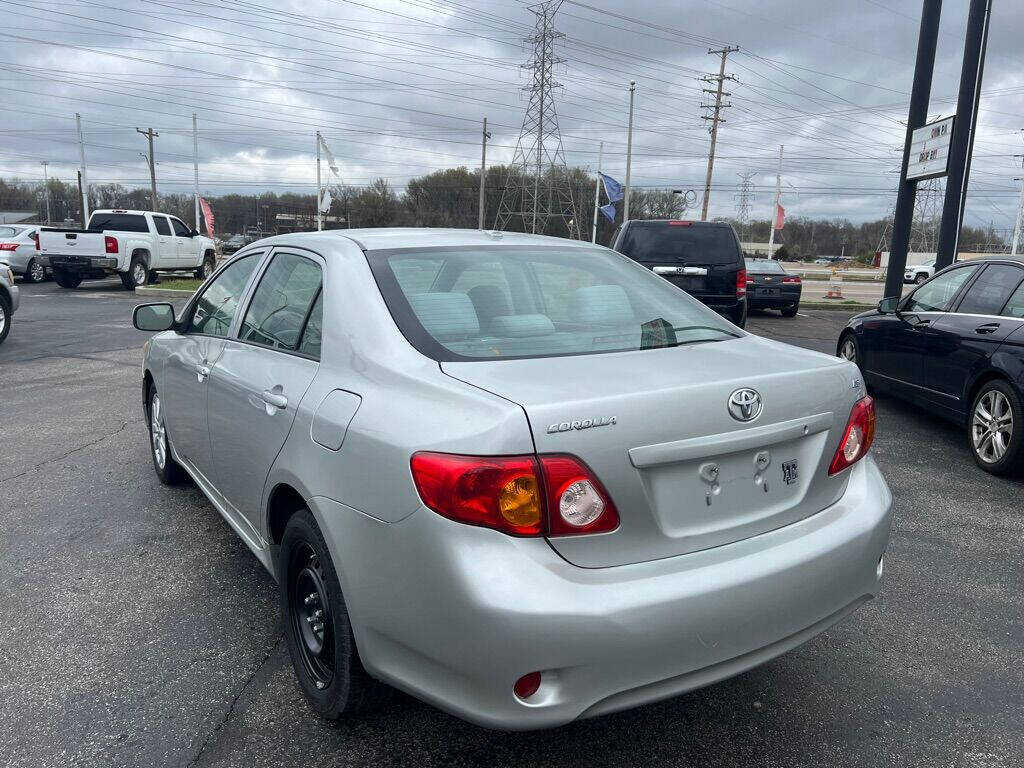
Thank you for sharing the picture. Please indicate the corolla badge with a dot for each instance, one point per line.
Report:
(565, 426)
(745, 404)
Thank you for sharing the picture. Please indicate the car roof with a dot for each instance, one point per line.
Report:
(421, 237)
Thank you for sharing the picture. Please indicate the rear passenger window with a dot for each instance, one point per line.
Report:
(990, 291)
(1015, 306)
(282, 301)
(162, 227)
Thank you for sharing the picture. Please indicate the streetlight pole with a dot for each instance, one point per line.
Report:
(195, 168)
(83, 178)
(629, 151)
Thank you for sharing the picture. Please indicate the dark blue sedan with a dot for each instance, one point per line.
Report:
(955, 345)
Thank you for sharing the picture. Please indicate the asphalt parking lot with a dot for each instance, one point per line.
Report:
(137, 630)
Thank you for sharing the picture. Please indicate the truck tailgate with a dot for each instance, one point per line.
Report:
(71, 242)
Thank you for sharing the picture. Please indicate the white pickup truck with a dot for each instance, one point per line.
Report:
(131, 244)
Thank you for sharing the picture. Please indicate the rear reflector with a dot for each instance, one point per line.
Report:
(857, 437)
(527, 685)
(519, 495)
(110, 244)
(741, 283)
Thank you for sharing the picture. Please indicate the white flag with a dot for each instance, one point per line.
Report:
(325, 201)
(331, 162)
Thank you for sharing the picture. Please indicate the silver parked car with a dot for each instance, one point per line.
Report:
(20, 249)
(522, 478)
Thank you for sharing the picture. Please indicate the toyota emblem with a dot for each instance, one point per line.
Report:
(745, 404)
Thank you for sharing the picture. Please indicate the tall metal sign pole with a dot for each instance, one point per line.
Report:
(931, 12)
(629, 151)
(775, 207)
(962, 143)
(597, 191)
(46, 189)
(319, 189)
(715, 118)
(483, 176)
(83, 178)
(195, 169)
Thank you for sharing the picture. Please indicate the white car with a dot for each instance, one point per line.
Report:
(18, 250)
(918, 273)
(131, 244)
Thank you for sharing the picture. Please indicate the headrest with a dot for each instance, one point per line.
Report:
(602, 305)
(515, 326)
(446, 316)
(489, 301)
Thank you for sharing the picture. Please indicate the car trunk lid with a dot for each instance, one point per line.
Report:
(655, 428)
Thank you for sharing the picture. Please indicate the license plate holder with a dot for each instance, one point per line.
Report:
(767, 291)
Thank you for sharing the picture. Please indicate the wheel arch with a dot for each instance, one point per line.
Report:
(143, 252)
(283, 502)
(979, 381)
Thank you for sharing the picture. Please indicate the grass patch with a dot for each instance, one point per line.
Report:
(178, 284)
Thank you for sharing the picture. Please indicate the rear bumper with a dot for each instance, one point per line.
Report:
(77, 264)
(456, 614)
(773, 302)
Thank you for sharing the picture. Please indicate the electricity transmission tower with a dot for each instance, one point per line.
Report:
(924, 229)
(744, 195)
(715, 117)
(537, 189)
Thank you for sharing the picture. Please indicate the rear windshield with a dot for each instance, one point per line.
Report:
(661, 242)
(765, 267)
(8, 231)
(119, 222)
(501, 302)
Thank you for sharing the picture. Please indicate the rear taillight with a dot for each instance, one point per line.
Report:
(741, 283)
(110, 244)
(8, 246)
(519, 495)
(791, 279)
(36, 238)
(857, 437)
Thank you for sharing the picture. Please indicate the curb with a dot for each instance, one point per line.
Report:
(171, 293)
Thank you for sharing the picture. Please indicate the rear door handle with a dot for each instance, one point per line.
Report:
(987, 328)
(276, 399)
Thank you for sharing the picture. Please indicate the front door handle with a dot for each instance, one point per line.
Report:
(275, 399)
(201, 372)
(987, 328)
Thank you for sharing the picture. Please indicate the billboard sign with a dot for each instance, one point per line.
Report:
(929, 150)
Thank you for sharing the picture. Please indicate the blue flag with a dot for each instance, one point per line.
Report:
(609, 211)
(612, 188)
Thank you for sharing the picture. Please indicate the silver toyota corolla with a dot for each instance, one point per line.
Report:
(522, 478)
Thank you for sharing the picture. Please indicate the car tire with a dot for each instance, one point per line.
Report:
(920, 278)
(791, 311)
(167, 469)
(65, 279)
(5, 318)
(326, 660)
(136, 276)
(209, 264)
(34, 272)
(848, 348)
(995, 429)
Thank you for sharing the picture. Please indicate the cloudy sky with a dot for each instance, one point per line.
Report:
(398, 88)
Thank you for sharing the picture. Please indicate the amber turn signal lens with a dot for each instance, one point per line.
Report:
(519, 501)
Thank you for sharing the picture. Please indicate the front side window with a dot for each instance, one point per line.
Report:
(281, 304)
(180, 229)
(935, 295)
(216, 307)
(989, 293)
(535, 302)
(162, 227)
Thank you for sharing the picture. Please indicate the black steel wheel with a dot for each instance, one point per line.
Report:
(317, 626)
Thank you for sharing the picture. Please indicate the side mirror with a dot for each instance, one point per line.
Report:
(153, 317)
(193, 233)
(888, 305)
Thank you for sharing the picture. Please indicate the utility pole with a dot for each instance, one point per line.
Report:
(83, 177)
(1020, 212)
(195, 167)
(597, 191)
(319, 190)
(961, 145)
(483, 175)
(46, 189)
(775, 207)
(715, 118)
(629, 152)
(150, 134)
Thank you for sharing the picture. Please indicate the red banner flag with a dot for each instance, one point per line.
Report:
(780, 216)
(207, 216)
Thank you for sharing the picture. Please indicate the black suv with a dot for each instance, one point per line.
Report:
(703, 258)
